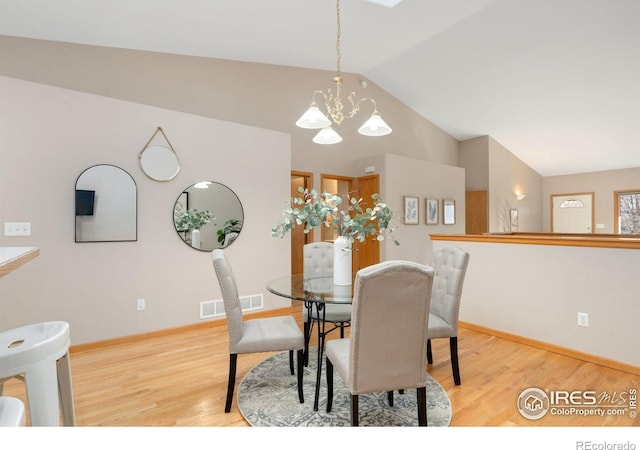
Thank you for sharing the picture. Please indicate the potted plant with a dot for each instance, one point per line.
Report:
(311, 210)
(230, 226)
(192, 220)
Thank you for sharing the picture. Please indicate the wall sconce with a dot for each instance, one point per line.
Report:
(520, 195)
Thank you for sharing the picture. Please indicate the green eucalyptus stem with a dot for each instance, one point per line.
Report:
(193, 219)
(311, 210)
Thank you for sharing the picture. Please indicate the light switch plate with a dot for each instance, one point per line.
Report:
(17, 229)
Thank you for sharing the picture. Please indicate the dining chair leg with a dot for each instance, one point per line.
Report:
(341, 330)
(329, 385)
(233, 360)
(429, 355)
(390, 397)
(453, 346)
(422, 406)
(291, 362)
(354, 411)
(300, 360)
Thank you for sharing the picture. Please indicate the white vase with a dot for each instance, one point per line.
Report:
(342, 261)
(195, 238)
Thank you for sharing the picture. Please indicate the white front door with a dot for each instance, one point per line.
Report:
(572, 213)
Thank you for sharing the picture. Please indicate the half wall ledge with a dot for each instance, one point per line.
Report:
(568, 240)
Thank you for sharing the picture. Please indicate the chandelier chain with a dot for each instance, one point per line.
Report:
(338, 35)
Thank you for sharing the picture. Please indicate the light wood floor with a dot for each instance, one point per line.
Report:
(180, 380)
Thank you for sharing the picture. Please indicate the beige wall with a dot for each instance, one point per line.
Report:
(473, 155)
(508, 174)
(527, 290)
(401, 176)
(91, 105)
(602, 184)
(216, 114)
(261, 95)
(491, 166)
(48, 136)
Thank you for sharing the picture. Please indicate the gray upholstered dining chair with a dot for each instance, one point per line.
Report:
(318, 262)
(450, 267)
(256, 335)
(386, 349)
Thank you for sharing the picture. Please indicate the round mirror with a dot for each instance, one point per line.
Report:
(208, 215)
(159, 163)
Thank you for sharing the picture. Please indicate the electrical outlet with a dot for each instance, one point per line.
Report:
(140, 304)
(583, 319)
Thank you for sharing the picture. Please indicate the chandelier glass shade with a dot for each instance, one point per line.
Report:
(316, 119)
(327, 135)
(313, 118)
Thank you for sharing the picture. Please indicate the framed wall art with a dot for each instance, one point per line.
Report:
(448, 211)
(513, 213)
(411, 210)
(431, 211)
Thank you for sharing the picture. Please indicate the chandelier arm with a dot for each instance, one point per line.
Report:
(313, 97)
(375, 106)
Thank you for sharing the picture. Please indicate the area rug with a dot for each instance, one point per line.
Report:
(268, 397)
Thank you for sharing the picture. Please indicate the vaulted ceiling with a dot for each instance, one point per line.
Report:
(557, 82)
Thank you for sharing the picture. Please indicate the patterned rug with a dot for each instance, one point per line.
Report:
(268, 397)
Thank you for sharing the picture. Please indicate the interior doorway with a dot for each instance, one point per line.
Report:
(298, 237)
(368, 252)
(572, 213)
(476, 212)
(364, 253)
(341, 186)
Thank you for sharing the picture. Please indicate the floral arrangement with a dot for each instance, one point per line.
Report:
(312, 210)
(193, 219)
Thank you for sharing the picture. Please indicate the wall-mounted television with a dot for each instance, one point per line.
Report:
(84, 202)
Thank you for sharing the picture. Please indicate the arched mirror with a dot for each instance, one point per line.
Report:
(106, 205)
(208, 215)
(159, 163)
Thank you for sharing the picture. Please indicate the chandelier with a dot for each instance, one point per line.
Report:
(315, 119)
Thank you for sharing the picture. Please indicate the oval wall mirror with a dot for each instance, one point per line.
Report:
(159, 163)
(106, 205)
(208, 215)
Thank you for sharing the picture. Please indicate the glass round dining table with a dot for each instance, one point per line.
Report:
(315, 292)
(314, 289)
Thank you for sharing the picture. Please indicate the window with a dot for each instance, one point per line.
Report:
(572, 204)
(627, 211)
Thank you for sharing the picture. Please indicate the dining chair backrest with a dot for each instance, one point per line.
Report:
(450, 266)
(389, 327)
(317, 259)
(229, 288)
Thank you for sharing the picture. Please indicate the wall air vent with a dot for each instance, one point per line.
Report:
(215, 308)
